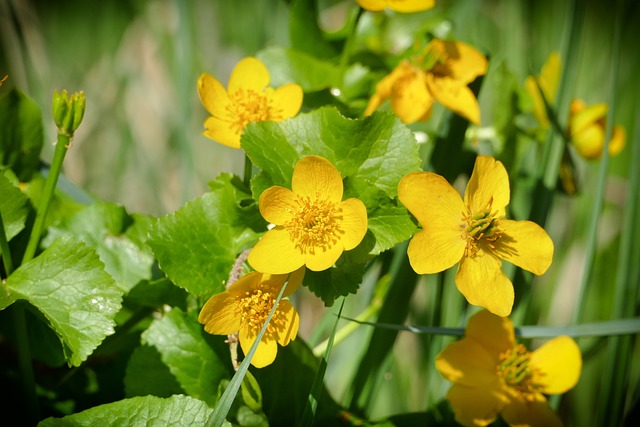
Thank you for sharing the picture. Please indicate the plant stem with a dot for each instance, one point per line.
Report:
(4, 249)
(248, 171)
(56, 166)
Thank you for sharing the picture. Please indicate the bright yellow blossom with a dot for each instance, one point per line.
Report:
(473, 233)
(587, 127)
(244, 308)
(248, 99)
(406, 6)
(548, 81)
(492, 374)
(313, 226)
(441, 73)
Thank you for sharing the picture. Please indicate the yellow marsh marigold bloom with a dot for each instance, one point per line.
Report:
(473, 232)
(244, 308)
(587, 127)
(441, 73)
(313, 225)
(492, 374)
(248, 99)
(406, 6)
(548, 80)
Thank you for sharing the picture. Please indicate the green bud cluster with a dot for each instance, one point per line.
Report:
(68, 111)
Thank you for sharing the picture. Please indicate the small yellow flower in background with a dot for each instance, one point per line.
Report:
(473, 233)
(313, 226)
(406, 6)
(248, 99)
(441, 73)
(492, 374)
(548, 80)
(587, 127)
(244, 308)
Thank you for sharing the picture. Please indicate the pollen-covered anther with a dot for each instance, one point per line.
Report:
(480, 227)
(249, 106)
(315, 223)
(254, 308)
(515, 371)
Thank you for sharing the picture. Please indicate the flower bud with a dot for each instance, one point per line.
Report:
(60, 107)
(68, 111)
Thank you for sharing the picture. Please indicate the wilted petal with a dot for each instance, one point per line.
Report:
(316, 177)
(249, 74)
(525, 244)
(275, 253)
(482, 283)
(353, 223)
(559, 363)
(276, 204)
(488, 187)
(475, 406)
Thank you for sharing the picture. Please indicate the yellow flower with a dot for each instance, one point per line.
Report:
(492, 374)
(313, 226)
(244, 308)
(441, 73)
(248, 99)
(397, 5)
(473, 232)
(548, 81)
(587, 130)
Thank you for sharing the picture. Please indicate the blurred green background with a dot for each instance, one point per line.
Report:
(141, 142)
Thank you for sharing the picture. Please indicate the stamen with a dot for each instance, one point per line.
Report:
(248, 106)
(515, 371)
(254, 308)
(315, 223)
(481, 226)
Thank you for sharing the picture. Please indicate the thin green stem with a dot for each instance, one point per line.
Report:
(348, 44)
(7, 260)
(49, 187)
(248, 171)
(24, 360)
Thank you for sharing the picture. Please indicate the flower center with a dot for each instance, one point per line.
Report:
(480, 227)
(315, 224)
(249, 106)
(516, 373)
(254, 307)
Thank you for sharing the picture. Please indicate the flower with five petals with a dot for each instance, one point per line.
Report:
(406, 6)
(441, 73)
(248, 99)
(313, 225)
(492, 374)
(244, 308)
(473, 232)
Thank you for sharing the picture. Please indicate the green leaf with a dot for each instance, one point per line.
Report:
(105, 227)
(148, 410)
(305, 33)
(14, 208)
(21, 136)
(147, 374)
(69, 286)
(287, 65)
(197, 245)
(197, 360)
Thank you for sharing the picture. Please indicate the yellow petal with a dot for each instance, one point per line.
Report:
(372, 5)
(323, 258)
(539, 109)
(219, 316)
(287, 100)
(289, 331)
(439, 208)
(463, 62)
(213, 96)
(295, 280)
(276, 203)
(475, 406)
(482, 283)
(275, 253)
(385, 86)
(617, 140)
(559, 363)
(584, 116)
(265, 352)
(354, 222)
(550, 76)
(494, 333)
(467, 363)
(222, 132)
(488, 187)
(456, 96)
(409, 6)
(525, 244)
(589, 141)
(536, 413)
(316, 177)
(248, 74)
(374, 102)
(410, 98)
